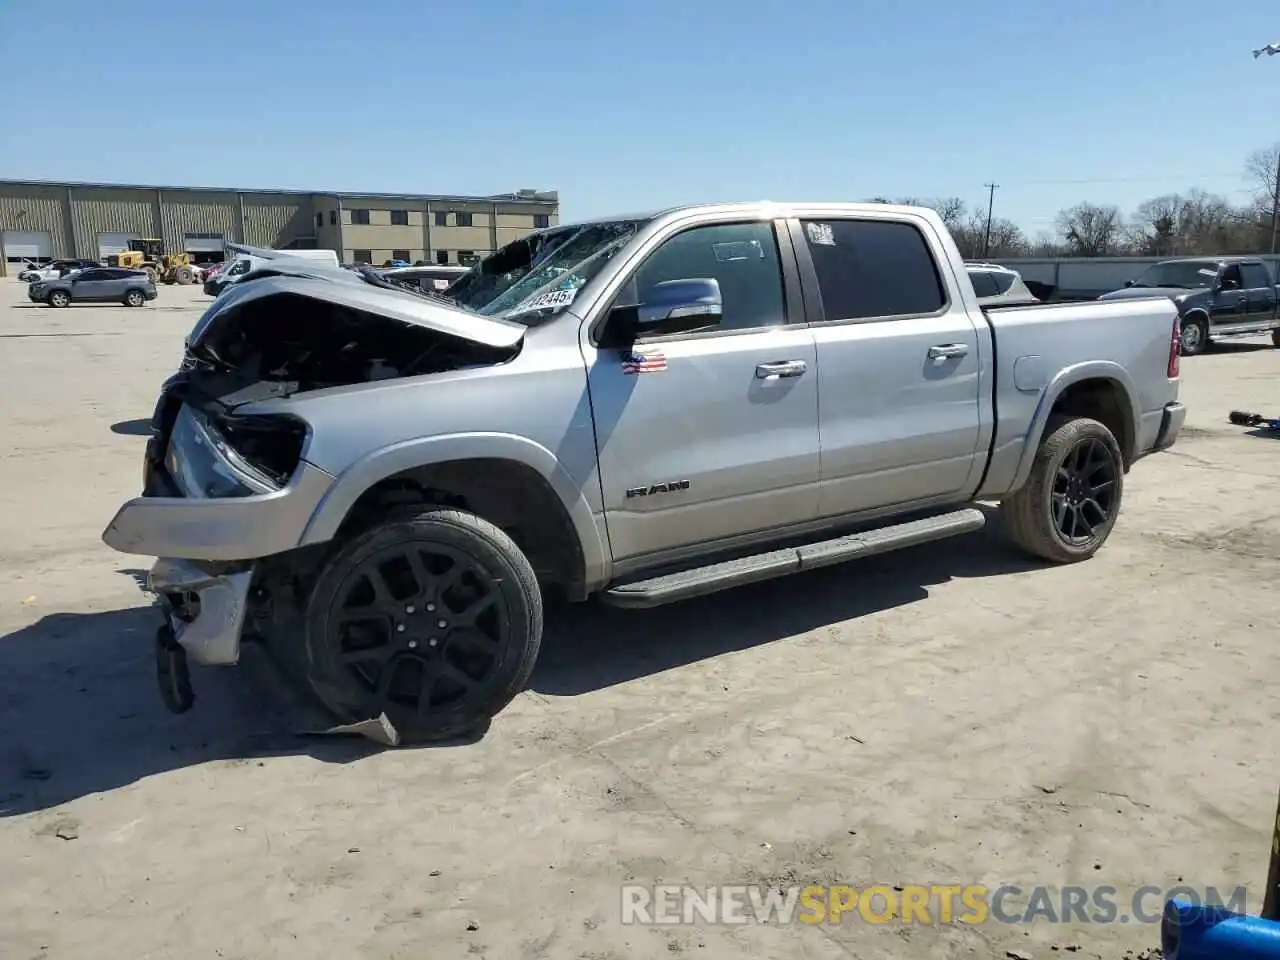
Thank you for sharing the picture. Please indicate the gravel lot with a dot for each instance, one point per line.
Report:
(949, 714)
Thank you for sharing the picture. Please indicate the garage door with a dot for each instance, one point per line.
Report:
(202, 242)
(21, 246)
(109, 243)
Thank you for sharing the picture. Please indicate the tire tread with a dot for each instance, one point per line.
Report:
(1024, 515)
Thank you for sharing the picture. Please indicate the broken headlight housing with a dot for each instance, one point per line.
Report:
(203, 464)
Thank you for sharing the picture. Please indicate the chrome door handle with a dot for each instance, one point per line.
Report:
(780, 368)
(945, 351)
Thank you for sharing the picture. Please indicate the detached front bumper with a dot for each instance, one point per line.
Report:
(227, 528)
(206, 611)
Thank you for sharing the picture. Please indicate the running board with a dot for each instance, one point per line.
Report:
(672, 587)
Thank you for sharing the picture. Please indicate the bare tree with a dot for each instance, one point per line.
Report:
(1155, 227)
(1007, 239)
(950, 209)
(1091, 230)
(1260, 171)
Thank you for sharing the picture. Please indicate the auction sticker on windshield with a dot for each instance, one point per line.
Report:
(552, 298)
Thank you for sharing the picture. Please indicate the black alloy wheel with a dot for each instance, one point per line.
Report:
(434, 621)
(1084, 491)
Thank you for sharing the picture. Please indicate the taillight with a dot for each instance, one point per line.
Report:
(1175, 348)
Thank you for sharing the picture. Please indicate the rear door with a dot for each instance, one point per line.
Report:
(120, 282)
(1260, 292)
(709, 435)
(898, 365)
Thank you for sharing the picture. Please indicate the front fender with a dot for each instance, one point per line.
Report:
(1068, 376)
(425, 451)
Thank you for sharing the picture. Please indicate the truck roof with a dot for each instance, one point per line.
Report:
(1211, 259)
(782, 208)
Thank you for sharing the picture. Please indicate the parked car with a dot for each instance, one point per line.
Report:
(432, 278)
(55, 269)
(248, 259)
(381, 485)
(133, 288)
(997, 286)
(1217, 298)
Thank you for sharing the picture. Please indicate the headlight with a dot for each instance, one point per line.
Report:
(203, 464)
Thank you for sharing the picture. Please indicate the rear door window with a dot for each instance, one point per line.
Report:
(873, 268)
(1255, 276)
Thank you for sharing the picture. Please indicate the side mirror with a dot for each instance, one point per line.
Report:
(1225, 284)
(674, 306)
(1130, 283)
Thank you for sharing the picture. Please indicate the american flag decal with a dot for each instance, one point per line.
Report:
(644, 361)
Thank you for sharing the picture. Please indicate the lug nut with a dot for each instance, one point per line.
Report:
(431, 607)
(399, 628)
(432, 642)
(442, 624)
(413, 644)
(409, 609)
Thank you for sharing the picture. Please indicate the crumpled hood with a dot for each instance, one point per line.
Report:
(346, 288)
(1133, 293)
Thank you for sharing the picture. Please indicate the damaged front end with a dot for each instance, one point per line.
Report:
(227, 487)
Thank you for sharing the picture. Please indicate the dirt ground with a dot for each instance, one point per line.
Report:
(951, 714)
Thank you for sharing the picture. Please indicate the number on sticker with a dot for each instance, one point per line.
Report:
(553, 298)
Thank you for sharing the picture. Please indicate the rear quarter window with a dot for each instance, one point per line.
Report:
(984, 283)
(1004, 281)
(873, 268)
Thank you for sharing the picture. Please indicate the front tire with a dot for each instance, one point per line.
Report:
(1068, 506)
(59, 298)
(1195, 337)
(1275, 338)
(134, 298)
(433, 618)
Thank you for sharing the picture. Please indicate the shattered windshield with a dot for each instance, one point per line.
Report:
(1186, 274)
(539, 275)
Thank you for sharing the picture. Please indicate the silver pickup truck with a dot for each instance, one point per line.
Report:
(382, 484)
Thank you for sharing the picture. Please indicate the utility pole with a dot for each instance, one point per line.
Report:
(1275, 204)
(991, 202)
(1271, 49)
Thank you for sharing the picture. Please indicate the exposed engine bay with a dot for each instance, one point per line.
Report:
(310, 343)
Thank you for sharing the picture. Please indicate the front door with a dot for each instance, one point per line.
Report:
(89, 285)
(899, 364)
(1230, 300)
(708, 435)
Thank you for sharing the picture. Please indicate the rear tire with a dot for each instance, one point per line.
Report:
(1275, 338)
(1069, 504)
(134, 298)
(59, 298)
(182, 276)
(1195, 337)
(433, 618)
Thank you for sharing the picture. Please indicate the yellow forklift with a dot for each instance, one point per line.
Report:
(149, 255)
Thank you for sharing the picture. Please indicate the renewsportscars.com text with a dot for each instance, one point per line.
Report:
(672, 904)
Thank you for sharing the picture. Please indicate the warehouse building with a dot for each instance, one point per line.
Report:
(41, 221)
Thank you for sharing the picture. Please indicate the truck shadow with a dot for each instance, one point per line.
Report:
(593, 646)
(80, 713)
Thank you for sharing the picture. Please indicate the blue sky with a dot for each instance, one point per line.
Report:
(626, 106)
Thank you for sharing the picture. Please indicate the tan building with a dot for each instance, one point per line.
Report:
(42, 221)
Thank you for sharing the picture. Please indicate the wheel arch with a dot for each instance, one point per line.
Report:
(511, 481)
(1101, 390)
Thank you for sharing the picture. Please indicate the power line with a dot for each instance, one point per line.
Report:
(1106, 180)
